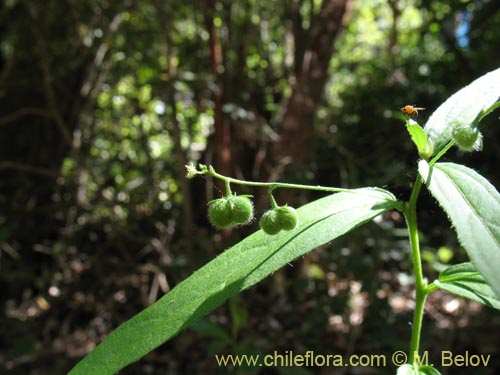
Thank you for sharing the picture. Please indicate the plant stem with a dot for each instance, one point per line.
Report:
(441, 153)
(275, 185)
(420, 284)
(228, 188)
(421, 289)
(271, 198)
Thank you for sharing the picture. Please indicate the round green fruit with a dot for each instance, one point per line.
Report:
(466, 137)
(219, 213)
(241, 209)
(269, 222)
(287, 217)
(228, 211)
(279, 218)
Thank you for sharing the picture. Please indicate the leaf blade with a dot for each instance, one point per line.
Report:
(465, 280)
(236, 269)
(473, 206)
(464, 108)
(419, 138)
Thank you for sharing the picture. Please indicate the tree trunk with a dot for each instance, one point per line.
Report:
(314, 48)
(222, 133)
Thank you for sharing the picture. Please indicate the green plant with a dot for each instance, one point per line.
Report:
(470, 201)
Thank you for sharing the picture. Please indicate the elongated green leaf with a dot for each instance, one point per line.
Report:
(464, 280)
(234, 270)
(464, 108)
(473, 206)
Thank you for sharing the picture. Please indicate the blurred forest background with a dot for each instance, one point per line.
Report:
(102, 103)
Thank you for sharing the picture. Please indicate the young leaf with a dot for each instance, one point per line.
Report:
(464, 108)
(473, 206)
(464, 280)
(419, 138)
(238, 268)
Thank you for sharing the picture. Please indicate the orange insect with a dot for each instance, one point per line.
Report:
(411, 109)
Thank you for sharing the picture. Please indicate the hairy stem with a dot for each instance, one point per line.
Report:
(276, 185)
(271, 198)
(228, 188)
(420, 283)
(441, 153)
(421, 288)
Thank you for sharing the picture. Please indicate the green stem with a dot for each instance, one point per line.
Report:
(271, 198)
(420, 283)
(441, 153)
(421, 288)
(228, 188)
(275, 185)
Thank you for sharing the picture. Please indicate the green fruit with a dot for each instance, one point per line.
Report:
(241, 209)
(287, 217)
(279, 218)
(269, 222)
(228, 211)
(219, 213)
(467, 137)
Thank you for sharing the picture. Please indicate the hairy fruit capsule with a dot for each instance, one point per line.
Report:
(279, 218)
(219, 213)
(287, 216)
(241, 209)
(467, 138)
(229, 211)
(269, 222)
